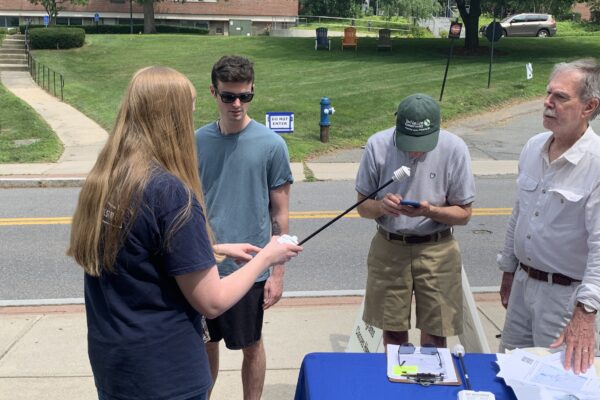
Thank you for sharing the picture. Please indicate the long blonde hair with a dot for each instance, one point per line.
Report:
(154, 129)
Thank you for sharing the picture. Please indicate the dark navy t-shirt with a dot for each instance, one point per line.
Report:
(144, 339)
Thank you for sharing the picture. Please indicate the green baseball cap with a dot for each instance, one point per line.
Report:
(417, 123)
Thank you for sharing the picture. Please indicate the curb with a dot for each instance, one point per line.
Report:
(23, 183)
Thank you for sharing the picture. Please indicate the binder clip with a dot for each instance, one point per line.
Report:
(425, 379)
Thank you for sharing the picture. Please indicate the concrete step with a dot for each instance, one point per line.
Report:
(13, 61)
(13, 67)
(12, 39)
(13, 45)
(15, 55)
(13, 51)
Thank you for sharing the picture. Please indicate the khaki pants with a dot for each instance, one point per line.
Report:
(537, 312)
(431, 270)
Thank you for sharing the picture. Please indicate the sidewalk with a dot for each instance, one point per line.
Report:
(82, 138)
(43, 350)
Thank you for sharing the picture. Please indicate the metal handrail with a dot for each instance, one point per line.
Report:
(34, 70)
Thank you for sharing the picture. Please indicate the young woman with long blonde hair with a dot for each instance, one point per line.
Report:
(140, 234)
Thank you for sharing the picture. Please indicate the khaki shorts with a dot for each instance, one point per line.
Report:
(432, 270)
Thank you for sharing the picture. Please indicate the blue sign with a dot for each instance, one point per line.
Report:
(96, 17)
(280, 122)
(46, 20)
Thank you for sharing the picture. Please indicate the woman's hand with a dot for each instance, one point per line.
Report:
(280, 253)
(239, 252)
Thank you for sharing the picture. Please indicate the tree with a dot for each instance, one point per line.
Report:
(509, 7)
(595, 10)
(470, 19)
(331, 8)
(53, 7)
(148, 7)
(415, 9)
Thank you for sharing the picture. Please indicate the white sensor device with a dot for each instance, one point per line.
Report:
(287, 239)
(401, 173)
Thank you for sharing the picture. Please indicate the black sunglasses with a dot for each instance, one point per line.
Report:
(228, 98)
(409, 348)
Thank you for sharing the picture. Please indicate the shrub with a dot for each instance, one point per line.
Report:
(56, 38)
(125, 29)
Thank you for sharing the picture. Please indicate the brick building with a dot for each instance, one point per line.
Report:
(226, 17)
(583, 9)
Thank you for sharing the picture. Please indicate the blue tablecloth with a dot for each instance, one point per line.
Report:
(363, 376)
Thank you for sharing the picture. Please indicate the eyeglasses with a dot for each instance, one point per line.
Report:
(228, 98)
(427, 349)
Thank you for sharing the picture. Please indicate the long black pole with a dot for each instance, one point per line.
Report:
(492, 51)
(467, 380)
(447, 65)
(345, 212)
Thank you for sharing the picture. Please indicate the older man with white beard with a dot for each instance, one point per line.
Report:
(551, 256)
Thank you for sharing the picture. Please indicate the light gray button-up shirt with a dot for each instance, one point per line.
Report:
(555, 224)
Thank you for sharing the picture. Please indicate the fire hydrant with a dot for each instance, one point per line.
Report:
(326, 111)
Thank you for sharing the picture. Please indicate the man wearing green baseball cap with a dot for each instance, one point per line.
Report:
(413, 249)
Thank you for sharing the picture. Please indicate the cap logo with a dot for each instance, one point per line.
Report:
(417, 126)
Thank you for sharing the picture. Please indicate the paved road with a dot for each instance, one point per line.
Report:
(33, 264)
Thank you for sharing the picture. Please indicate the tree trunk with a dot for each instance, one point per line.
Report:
(149, 26)
(471, 20)
(52, 11)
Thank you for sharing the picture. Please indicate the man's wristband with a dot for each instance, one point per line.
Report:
(586, 309)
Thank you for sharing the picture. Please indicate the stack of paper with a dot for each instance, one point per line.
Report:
(535, 377)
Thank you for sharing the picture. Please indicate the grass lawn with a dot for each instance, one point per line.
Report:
(18, 122)
(364, 87)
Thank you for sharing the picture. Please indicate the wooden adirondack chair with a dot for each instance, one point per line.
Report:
(322, 41)
(350, 39)
(384, 41)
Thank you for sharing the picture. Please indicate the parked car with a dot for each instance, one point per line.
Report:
(540, 25)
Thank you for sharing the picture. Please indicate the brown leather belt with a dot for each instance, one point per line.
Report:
(413, 239)
(549, 277)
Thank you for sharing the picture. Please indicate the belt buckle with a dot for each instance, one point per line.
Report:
(550, 281)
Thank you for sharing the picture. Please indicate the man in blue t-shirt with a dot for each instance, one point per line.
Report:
(246, 177)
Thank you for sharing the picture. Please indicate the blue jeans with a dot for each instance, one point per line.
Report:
(103, 396)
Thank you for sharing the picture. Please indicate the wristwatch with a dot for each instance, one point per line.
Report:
(586, 309)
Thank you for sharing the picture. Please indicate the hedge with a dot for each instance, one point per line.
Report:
(125, 29)
(56, 38)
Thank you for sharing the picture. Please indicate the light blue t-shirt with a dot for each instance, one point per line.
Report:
(238, 171)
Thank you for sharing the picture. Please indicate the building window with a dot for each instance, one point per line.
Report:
(9, 21)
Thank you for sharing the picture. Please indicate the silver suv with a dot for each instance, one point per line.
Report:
(541, 25)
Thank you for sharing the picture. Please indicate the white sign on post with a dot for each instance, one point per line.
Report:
(280, 122)
(529, 70)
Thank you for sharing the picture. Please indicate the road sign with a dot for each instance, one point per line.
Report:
(96, 17)
(454, 32)
(493, 32)
(280, 122)
(46, 20)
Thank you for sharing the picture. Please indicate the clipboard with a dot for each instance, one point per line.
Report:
(417, 363)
